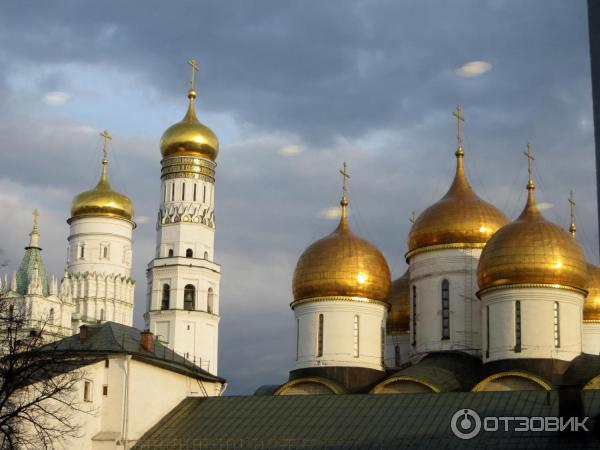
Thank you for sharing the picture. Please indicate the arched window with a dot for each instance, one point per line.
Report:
(189, 295)
(517, 326)
(556, 326)
(445, 309)
(320, 336)
(487, 331)
(102, 314)
(382, 342)
(166, 296)
(206, 255)
(51, 316)
(173, 192)
(182, 191)
(189, 253)
(297, 338)
(170, 252)
(105, 252)
(356, 336)
(82, 251)
(414, 315)
(210, 300)
(204, 194)
(195, 189)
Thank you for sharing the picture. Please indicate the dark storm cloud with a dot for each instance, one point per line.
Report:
(368, 82)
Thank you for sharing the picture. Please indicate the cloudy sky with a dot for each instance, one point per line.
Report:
(292, 89)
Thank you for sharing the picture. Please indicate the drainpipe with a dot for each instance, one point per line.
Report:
(124, 429)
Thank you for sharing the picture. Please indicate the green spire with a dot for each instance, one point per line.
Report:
(33, 256)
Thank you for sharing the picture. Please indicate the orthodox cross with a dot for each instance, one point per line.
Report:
(572, 227)
(413, 218)
(459, 119)
(192, 62)
(530, 159)
(107, 137)
(572, 206)
(345, 178)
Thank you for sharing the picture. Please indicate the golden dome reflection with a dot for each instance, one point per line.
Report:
(532, 250)
(398, 320)
(341, 264)
(189, 137)
(460, 218)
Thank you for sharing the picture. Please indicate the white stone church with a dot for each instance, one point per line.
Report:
(485, 305)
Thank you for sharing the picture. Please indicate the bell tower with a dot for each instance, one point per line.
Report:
(183, 277)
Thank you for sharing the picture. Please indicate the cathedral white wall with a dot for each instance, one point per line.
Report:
(130, 407)
(402, 342)
(427, 271)
(591, 338)
(95, 233)
(192, 334)
(338, 334)
(101, 287)
(537, 323)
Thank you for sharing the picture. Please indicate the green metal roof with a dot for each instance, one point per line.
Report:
(412, 421)
(25, 272)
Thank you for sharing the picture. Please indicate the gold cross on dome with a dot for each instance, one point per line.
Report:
(345, 178)
(459, 118)
(192, 62)
(107, 137)
(572, 206)
(530, 159)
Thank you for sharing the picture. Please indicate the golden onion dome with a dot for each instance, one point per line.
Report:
(591, 306)
(398, 319)
(189, 137)
(532, 251)
(102, 200)
(341, 264)
(459, 219)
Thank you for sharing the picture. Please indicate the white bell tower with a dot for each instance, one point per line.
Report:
(183, 277)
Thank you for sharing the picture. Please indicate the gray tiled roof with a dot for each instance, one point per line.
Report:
(412, 421)
(114, 338)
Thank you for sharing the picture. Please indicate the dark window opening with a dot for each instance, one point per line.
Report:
(445, 309)
(166, 296)
(189, 295)
(189, 253)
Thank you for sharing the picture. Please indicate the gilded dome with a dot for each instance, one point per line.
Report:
(398, 319)
(459, 218)
(341, 264)
(189, 137)
(591, 306)
(102, 200)
(532, 250)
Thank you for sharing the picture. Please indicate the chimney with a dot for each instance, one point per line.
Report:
(147, 341)
(84, 332)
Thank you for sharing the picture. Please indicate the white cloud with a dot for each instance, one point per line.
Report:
(473, 69)
(55, 98)
(291, 150)
(544, 206)
(331, 213)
